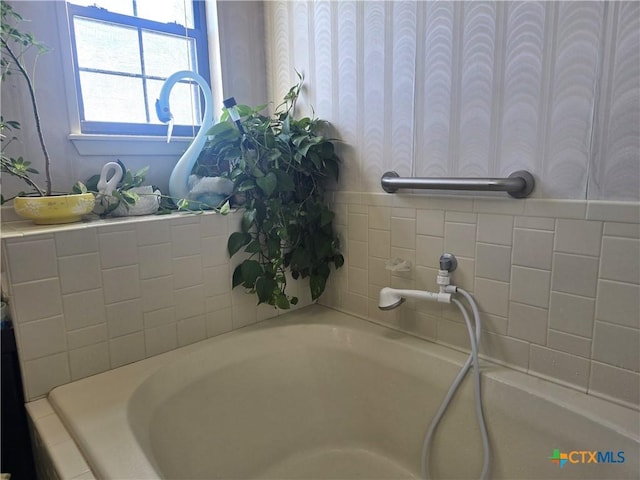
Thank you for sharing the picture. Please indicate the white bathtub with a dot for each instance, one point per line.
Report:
(319, 394)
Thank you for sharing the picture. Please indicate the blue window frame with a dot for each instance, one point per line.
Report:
(123, 54)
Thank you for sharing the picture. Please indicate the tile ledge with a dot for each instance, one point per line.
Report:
(10, 229)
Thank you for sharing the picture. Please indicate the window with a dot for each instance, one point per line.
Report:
(123, 50)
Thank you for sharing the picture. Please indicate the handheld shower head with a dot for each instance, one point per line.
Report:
(390, 299)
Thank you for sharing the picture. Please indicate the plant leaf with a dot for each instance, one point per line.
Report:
(268, 183)
(316, 285)
(236, 241)
(251, 270)
(237, 276)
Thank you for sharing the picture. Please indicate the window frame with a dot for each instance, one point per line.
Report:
(201, 56)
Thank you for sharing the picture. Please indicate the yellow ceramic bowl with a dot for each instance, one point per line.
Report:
(54, 209)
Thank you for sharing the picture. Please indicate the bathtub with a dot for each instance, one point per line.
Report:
(319, 394)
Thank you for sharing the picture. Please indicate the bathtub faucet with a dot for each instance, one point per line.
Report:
(391, 298)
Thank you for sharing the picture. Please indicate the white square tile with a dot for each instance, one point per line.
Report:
(453, 333)
(118, 249)
(575, 274)
(83, 309)
(358, 208)
(39, 408)
(404, 254)
(219, 322)
(76, 242)
(629, 230)
(379, 243)
(340, 209)
(460, 217)
(185, 240)
(121, 283)
(150, 233)
(613, 211)
(378, 274)
(48, 304)
(510, 351)
(532, 248)
(218, 302)
(68, 460)
(214, 224)
(403, 232)
(492, 296)
(493, 261)
(530, 286)
(243, 308)
(52, 430)
(620, 259)
(189, 302)
(160, 339)
(157, 318)
(32, 260)
(617, 346)
(217, 280)
(79, 273)
(536, 223)
(214, 251)
(155, 260)
(464, 275)
(528, 323)
(357, 256)
(571, 314)
(495, 324)
(459, 239)
(124, 317)
(187, 271)
(559, 366)
(380, 218)
(430, 222)
(543, 207)
(616, 383)
(618, 303)
(87, 361)
(45, 373)
(126, 349)
(578, 236)
(191, 330)
(426, 278)
(358, 227)
(157, 293)
(358, 281)
(426, 326)
(354, 304)
(428, 250)
(565, 342)
(42, 337)
(84, 337)
(495, 228)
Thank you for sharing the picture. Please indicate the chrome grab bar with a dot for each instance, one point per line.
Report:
(519, 184)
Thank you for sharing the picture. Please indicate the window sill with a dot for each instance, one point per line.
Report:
(128, 145)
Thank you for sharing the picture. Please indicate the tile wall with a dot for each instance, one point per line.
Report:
(557, 282)
(95, 296)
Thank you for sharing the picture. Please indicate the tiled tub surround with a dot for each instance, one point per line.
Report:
(94, 296)
(557, 282)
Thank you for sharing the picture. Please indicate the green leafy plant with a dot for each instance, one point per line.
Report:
(15, 46)
(280, 167)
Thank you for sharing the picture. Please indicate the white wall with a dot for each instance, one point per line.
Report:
(471, 88)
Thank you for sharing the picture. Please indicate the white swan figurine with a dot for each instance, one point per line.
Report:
(110, 176)
(211, 191)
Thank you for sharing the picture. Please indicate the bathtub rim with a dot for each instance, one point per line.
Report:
(128, 378)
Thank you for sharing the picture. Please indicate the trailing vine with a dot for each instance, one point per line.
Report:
(280, 167)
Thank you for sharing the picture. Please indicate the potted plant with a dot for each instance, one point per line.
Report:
(280, 167)
(40, 204)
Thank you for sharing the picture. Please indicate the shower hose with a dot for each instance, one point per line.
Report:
(472, 361)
